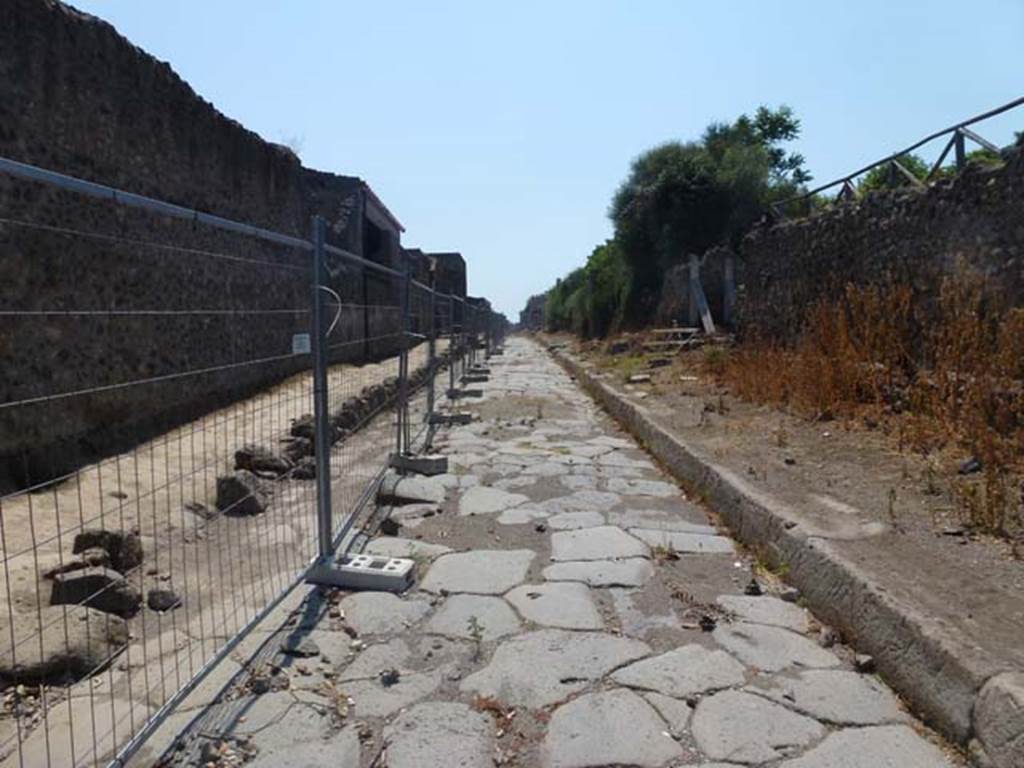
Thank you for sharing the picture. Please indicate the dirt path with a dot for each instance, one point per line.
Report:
(574, 609)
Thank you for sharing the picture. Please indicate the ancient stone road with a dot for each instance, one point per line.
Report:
(574, 610)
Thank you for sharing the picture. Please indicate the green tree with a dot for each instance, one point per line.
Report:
(591, 300)
(672, 203)
(882, 178)
(682, 198)
(767, 130)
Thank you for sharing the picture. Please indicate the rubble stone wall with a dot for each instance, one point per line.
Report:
(973, 221)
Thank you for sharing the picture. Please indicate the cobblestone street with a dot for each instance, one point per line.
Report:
(574, 609)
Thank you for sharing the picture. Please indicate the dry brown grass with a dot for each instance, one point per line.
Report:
(944, 376)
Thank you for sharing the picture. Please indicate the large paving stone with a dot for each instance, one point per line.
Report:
(411, 515)
(657, 520)
(514, 484)
(381, 613)
(612, 442)
(641, 487)
(631, 572)
(771, 649)
(341, 750)
(580, 482)
(581, 501)
(394, 654)
(395, 546)
(674, 712)
(683, 672)
(492, 614)
(588, 451)
(617, 471)
(766, 610)
(688, 543)
(833, 696)
(440, 733)
(565, 604)
(546, 469)
(521, 515)
(569, 521)
(480, 571)
(371, 698)
(637, 619)
(411, 489)
(450, 480)
(273, 720)
(484, 500)
(621, 459)
(887, 746)
(608, 728)
(605, 542)
(539, 668)
(744, 728)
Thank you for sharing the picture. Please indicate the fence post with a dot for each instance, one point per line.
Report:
(698, 301)
(694, 274)
(432, 349)
(729, 291)
(452, 349)
(960, 149)
(321, 406)
(402, 410)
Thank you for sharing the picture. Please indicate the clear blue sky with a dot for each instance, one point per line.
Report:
(501, 129)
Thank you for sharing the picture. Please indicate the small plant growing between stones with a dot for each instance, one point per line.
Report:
(893, 519)
(781, 439)
(665, 552)
(420, 561)
(931, 480)
(476, 634)
(716, 359)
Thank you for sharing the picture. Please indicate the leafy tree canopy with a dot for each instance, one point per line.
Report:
(682, 198)
(882, 178)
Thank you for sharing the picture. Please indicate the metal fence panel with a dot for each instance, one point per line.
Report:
(205, 413)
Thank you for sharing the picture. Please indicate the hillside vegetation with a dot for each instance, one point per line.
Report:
(679, 198)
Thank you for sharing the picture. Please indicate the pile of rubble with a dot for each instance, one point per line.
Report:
(245, 491)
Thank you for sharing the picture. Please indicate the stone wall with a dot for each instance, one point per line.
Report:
(143, 297)
(915, 237)
(674, 303)
(531, 317)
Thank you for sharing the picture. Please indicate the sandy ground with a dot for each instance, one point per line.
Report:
(225, 568)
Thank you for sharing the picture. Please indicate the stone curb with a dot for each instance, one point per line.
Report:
(930, 668)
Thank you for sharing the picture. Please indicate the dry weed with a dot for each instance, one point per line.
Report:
(940, 373)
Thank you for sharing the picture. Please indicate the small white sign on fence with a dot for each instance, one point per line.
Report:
(301, 344)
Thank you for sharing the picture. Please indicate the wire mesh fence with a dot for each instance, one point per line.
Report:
(194, 411)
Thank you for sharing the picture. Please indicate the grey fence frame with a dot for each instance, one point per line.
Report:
(469, 327)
